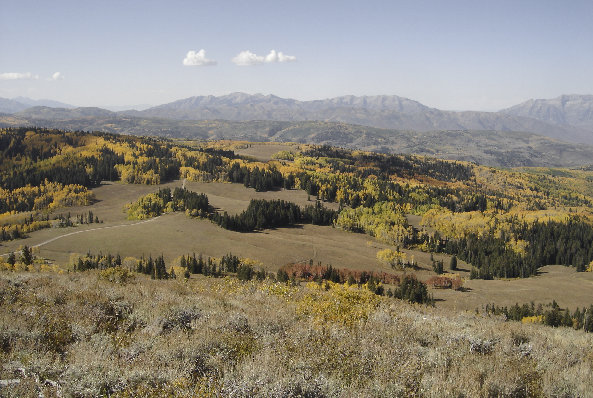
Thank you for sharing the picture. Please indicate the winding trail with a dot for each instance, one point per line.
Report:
(88, 230)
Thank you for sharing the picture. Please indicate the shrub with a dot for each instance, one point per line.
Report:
(179, 320)
(117, 275)
(413, 290)
(445, 282)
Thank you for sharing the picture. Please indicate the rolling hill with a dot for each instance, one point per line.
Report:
(21, 103)
(535, 133)
(494, 148)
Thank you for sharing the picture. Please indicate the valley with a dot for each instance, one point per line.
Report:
(267, 199)
(98, 272)
(173, 235)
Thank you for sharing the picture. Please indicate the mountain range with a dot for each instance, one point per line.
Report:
(383, 111)
(566, 110)
(18, 104)
(21, 103)
(526, 134)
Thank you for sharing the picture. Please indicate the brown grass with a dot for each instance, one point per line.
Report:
(79, 335)
(264, 151)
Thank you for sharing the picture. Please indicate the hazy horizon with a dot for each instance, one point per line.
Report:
(117, 108)
(459, 55)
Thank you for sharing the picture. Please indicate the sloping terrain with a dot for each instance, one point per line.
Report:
(82, 335)
(566, 110)
(568, 117)
(384, 111)
(493, 148)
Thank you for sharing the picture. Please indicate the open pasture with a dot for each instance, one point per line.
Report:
(264, 151)
(175, 234)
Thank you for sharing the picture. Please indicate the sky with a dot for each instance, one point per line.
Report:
(452, 55)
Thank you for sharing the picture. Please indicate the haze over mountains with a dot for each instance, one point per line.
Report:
(383, 111)
(510, 137)
(17, 104)
(566, 110)
(21, 103)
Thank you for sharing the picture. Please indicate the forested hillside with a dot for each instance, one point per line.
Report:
(487, 147)
(97, 325)
(504, 223)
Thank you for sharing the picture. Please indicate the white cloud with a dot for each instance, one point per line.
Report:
(247, 58)
(274, 56)
(197, 58)
(286, 58)
(57, 76)
(18, 76)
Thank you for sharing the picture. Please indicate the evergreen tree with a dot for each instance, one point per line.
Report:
(588, 320)
(567, 319)
(553, 317)
(453, 263)
(149, 268)
(26, 255)
(437, 266)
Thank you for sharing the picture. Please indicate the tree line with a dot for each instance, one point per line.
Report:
(165, 200)
(261, 214)
(260, 180)
(552, 316)
(567, 243)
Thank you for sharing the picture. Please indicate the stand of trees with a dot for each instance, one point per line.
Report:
(568, 243)
(165, 200)
(552, 316)
(320, 272)
(261, 180)
(412, 290)
(384, 166)
(261, 214)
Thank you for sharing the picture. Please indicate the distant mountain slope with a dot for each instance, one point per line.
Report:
(42, 102)
(11, 106)
(21, 103)
(568, 118)
(495, 148)
(241, 106)
(382, 111)
(47, 113)
(573, 110)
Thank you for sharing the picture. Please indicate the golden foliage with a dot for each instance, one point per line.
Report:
(343, 304)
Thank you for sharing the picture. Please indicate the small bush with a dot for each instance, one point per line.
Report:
(179, 320)
(117, 275)
(479, 346)
(445, 282)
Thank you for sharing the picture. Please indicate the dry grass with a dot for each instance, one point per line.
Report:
(569, 288)
(80, 335)
(264, 151)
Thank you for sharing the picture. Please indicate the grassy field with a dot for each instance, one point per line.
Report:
(555, 282)
(264, 151)
(176, 234)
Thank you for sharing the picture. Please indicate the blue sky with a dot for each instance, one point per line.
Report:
(460, 55)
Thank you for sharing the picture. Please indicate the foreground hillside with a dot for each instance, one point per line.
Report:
(80, 334)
